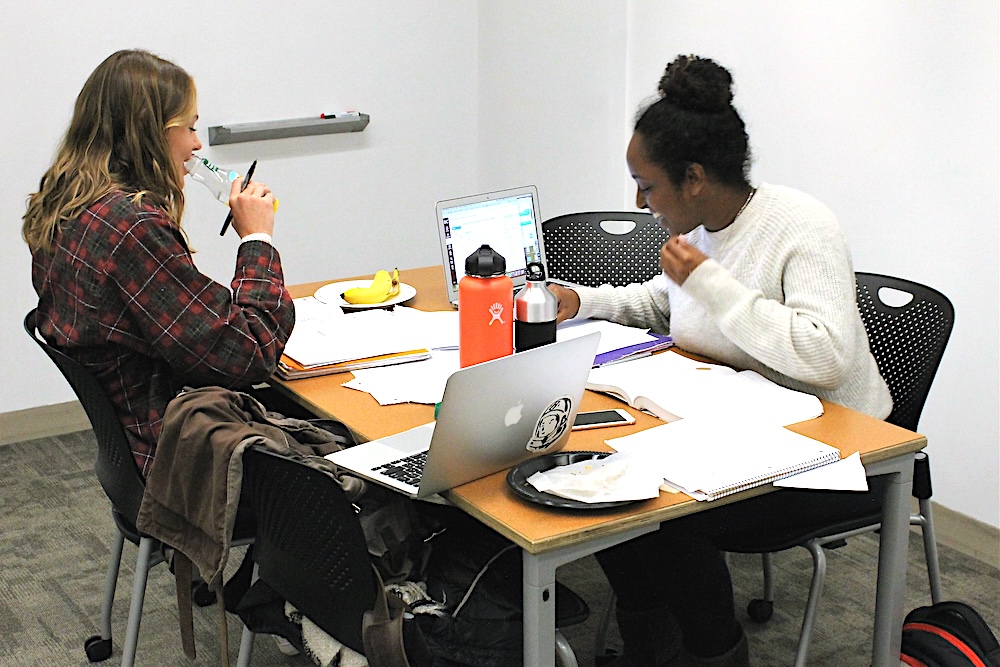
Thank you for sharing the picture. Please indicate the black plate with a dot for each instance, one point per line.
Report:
(517, 480)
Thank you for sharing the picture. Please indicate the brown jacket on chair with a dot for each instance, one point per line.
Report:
(193, 488)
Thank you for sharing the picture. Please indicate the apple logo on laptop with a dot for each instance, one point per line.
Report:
(513, 415)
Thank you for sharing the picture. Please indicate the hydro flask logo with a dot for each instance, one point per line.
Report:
(495, 311)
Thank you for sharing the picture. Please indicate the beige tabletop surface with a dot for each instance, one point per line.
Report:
(538, 528)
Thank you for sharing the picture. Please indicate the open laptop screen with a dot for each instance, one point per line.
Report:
(507, 221)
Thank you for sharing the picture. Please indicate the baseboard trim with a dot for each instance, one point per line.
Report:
(953, 529)
(969, 536)
(42, 422)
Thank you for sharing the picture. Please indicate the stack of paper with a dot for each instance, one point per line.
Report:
(325, 340)
(289, 369)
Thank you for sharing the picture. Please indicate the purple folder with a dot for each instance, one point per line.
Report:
(656, 342)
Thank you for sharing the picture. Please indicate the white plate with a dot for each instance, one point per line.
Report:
(330, 294)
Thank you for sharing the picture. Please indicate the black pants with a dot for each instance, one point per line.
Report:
(682, 566)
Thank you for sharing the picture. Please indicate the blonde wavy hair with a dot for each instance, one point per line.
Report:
(116, 141)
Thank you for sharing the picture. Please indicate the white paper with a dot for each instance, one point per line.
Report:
(433, 330)
(309, 308)
(417, 382)
(847, 474)
(330, 340)
(701, 456)
(614, 336)
(613, 478)
(324, 335)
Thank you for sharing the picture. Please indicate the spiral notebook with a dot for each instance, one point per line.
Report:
(710, 459)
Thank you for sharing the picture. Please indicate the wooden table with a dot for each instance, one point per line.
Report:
(550, 537)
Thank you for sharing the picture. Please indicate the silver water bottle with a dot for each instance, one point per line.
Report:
(535, 309)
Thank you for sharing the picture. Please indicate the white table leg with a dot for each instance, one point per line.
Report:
(890, 596)
(539, 592)
(539, 611)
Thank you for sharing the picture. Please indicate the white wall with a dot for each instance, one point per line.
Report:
(888, 112)
(552, 101)
(350, 203)
(885, 110)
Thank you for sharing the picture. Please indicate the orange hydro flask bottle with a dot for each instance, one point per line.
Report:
(485, 309)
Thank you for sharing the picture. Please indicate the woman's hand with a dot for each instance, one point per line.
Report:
(678, 259)
(569, 302)
(253, 209)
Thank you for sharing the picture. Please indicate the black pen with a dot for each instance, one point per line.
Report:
(246, 182)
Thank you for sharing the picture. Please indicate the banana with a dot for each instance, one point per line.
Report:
(394, 290)
(383, 288)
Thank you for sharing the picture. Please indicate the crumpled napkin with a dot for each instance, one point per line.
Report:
(599, 480)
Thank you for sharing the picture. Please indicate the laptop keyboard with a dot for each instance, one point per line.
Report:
(407, 469)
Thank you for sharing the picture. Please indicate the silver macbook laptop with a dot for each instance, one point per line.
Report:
(506, 220)
(493, 416)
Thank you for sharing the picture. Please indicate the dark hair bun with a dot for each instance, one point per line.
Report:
(697, 84)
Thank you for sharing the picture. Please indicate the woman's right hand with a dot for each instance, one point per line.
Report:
(678, 258)
(253, 209)
(569, 302)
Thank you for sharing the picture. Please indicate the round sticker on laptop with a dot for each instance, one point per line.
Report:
(551, 425)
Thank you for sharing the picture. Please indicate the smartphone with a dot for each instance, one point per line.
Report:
(601, 418)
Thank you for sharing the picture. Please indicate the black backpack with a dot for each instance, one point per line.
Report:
(948, 634)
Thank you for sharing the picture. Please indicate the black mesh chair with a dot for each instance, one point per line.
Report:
(311, 550)
(119, 476)
(309, 546)
(596, 248)
(908, 327)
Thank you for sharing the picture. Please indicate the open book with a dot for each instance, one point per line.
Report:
(710, 459)
(672, 386)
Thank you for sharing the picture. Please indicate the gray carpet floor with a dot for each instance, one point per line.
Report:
(56, 534)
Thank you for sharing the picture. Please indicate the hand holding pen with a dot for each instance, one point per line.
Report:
(246, 182)
(252, 207)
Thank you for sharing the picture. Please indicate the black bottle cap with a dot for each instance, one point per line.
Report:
(535, 272)
(485, 263)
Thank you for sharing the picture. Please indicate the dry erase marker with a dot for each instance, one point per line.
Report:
(246, 182)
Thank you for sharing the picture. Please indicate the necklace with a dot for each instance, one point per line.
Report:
(753, 191)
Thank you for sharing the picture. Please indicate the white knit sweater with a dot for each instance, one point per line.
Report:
(776, 296)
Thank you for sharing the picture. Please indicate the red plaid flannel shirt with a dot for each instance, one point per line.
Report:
(121, 294)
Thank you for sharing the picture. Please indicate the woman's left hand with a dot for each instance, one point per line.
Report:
(678, 258)
(569, 302)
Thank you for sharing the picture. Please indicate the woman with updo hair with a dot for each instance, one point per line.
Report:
(757, 278)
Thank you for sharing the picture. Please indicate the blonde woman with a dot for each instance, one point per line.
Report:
(117, 287)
